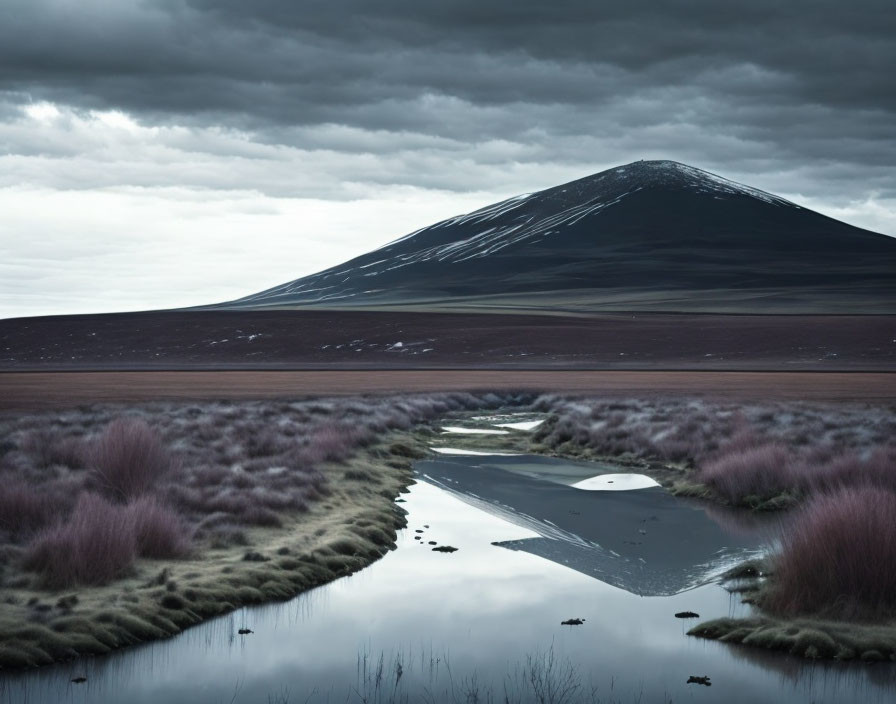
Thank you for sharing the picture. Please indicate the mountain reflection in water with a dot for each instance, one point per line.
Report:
(645, 541)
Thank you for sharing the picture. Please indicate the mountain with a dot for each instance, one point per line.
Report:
(647, 236)
(581, 276)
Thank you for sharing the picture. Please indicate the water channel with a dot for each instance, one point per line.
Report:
(483, 623)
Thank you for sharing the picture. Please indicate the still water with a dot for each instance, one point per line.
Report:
(484, 623)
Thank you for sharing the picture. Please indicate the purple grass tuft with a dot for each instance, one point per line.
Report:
(159, 532)
(839, 557)
(129, 458)
(95, 546)
(749, 467)
(25, 508)
(47, 448)
(849, 469)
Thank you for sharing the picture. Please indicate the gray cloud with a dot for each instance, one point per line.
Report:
(340, 100)
(301, 63)
(769, 86)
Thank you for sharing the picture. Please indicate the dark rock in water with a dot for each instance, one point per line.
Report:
(400, 501)
(432, 542)
(79, 680)
(244, 631)
(426, 526)
(418, 531)
(417, 537)
(694, 679)
(573, 622)
(444, 548)
(744, 571)
(687, 614)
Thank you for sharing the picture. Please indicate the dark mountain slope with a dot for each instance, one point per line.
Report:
(651, 235)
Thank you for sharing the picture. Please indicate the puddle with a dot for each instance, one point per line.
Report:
(616, 482)
(521, 425)
(473, 431)
(461, 452)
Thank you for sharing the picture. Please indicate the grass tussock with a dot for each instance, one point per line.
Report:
(810, 638)
(749, 469)
(24, 508)
(49, 447)
(838, 559)
(159, 531)
(129, 458)
(94, 546)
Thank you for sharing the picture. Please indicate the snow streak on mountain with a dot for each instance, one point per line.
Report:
(651, 235)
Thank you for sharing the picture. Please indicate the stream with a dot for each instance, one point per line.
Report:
(483, 623)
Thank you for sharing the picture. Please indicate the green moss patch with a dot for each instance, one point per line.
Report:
(808, 638)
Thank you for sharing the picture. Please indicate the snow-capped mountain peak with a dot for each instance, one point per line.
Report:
(662, 225)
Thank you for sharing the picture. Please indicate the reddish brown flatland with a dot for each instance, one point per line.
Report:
(321, 339)
(36, 390)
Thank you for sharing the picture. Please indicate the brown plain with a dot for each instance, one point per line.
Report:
(40, 390)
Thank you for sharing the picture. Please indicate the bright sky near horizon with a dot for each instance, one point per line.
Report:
(166, 153)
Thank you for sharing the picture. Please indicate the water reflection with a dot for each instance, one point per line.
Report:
(644, 541)
(476, 616)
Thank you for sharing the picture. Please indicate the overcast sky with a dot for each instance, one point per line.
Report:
(160, 153)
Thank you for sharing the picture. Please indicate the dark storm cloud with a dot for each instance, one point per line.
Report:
(774, 85)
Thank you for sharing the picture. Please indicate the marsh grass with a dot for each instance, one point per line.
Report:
(197, 487)
(838, 558)
(25, 508)
(805, 637)
(750, 470)
(751, 454)
(48, 447)
(94, 546)
(835, 463)
(208, 483)
(184, 473)
(129, 458)
(159, 532)
(424, 676)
